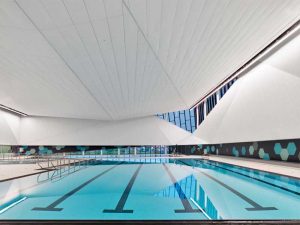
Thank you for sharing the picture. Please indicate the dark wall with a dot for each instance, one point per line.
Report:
(48, 149)
(283, 150)
(56, 149)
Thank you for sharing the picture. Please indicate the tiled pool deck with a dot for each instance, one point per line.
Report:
(279, 167)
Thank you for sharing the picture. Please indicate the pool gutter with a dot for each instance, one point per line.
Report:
(152, 222)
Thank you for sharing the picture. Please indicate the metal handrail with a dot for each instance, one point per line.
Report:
(57, 160)
(71, 167)
(60, 173)
(11, 157)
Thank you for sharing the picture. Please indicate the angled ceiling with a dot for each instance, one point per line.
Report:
(116, 59)
(261, 105)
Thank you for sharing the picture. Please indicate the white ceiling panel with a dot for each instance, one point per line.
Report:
(116, 59)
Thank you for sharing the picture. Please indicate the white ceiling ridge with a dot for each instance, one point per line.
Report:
(63, 60)
(154, 53)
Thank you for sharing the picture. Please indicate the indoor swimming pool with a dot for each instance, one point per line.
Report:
(151, 189)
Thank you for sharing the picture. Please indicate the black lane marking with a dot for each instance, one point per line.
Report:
(266, 182)
(255, 206)
(52, 206)
(120, 206)
(185, 202)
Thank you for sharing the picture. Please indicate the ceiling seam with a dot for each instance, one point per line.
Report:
(172, 31)
(85, 48)
(242, 38)
(136, 61)
(24, 64)
(207, 34)
(99, 47)
(217, 43)
(38, 79)
(156, 78)
(156, 56)
(224, 63)
(243, 35)
(160, 26)
(240, 71)
(68, 66)
(113, 51)
(182, 34)
(226, 40)
(194, 35)
(146, 61)
(125, 54)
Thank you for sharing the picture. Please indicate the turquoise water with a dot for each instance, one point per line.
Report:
(156, 189)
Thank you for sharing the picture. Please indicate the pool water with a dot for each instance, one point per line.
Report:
(159, 189)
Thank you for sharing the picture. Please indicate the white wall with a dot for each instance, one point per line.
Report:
(62, 131)
(9, 128)
(262, 105)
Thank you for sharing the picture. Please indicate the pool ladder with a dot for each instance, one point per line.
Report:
(63, 169)
(54, 162)
(60, 173)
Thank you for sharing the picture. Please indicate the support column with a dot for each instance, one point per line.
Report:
(197, 116)
(204, 108)
(218, 95)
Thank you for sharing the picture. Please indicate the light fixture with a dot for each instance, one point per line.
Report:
(198, 206)
(12, 205)
(256, 59)
(5, 108)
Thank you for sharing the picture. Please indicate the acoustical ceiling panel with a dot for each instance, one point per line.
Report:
(114, 59)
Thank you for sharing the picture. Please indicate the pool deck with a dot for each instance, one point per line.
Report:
(11, 171)
(19, 170)
(290, 169)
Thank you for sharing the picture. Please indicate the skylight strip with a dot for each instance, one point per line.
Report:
(12, 110)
